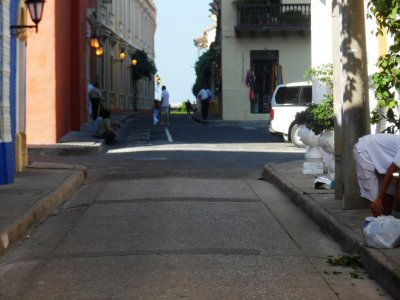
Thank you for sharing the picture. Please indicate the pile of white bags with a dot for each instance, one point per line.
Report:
(382, 232)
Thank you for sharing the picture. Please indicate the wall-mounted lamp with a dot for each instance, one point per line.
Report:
(122, 55)
(134, 62)
(94, 41)
(158, 80)
(35, 8)
(99, 50)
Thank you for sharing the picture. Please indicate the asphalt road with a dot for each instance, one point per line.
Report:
(180, 212)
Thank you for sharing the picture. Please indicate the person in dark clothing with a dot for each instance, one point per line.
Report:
(188, 107)
(95, 99)
(105, 130)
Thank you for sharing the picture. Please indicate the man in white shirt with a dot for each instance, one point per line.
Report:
(377, 158)
(204, 95)
(164, 114)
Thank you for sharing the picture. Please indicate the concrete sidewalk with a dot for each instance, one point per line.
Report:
(343, 225)
(37, 191)
(33, 195)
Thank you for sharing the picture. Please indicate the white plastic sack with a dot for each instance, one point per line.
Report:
(382, 232)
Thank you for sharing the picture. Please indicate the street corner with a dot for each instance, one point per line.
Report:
(58, 166)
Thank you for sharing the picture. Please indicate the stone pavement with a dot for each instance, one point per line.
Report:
(345, 226)
(42, 187)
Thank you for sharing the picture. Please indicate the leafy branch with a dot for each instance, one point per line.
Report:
(203, 71)
(387, 80)
(144, 66)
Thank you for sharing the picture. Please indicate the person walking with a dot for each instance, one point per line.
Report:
(156, 112)
(95, 99)
(164, 105)
(204, 95)
(89, 104)
(188, 107)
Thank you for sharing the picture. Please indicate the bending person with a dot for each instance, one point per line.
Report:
(377, 158)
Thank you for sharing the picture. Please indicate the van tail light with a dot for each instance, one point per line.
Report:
(271, 114)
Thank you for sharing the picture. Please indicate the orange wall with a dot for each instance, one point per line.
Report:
(40, 72)
(56, 79)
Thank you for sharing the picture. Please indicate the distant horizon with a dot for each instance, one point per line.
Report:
(178, 24)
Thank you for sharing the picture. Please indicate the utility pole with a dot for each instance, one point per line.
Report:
(337, 94)
(355, 120)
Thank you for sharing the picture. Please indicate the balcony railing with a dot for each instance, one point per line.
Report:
(274, 17)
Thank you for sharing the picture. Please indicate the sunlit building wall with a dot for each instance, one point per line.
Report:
(124, 26)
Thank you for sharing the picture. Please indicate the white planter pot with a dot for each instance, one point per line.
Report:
(327, 143)
(313, 164)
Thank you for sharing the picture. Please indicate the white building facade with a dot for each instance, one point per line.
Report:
(125, 26)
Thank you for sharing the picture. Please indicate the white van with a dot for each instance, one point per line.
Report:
(287, 100)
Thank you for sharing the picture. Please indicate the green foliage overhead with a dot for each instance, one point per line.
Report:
(144, 67)
(323, 73)
(390, 117)
(203, 71)
(387, 80)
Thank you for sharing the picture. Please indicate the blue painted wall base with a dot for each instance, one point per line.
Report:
(7, 163)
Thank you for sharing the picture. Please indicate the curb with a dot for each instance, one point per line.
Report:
(66, 149)
(375, 262)
(18, 229)
(199, 120)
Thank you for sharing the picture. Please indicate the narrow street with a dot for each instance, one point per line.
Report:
(181, 212)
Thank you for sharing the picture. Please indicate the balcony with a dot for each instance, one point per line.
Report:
(267, 19)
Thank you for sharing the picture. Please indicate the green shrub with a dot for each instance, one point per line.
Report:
(318, 117)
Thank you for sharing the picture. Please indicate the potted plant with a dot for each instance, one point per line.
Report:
(319, 118)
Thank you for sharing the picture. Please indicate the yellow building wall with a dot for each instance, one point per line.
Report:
(294, 56)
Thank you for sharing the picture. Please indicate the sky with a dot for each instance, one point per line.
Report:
(179, 22)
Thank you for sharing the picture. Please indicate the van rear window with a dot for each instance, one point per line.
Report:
(288, 95)
(295, 95)
(306, 95)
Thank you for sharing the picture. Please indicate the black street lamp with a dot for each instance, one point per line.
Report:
(35, 8)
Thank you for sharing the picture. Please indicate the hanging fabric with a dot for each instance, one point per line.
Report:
(277, 76)
(253, 94)
(250, 78)
(250, 81)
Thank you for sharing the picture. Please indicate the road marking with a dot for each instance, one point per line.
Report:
(168, 135)
(249, 128)
(150, 158)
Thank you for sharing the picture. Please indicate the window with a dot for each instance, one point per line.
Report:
(288, 95)
(306, 95)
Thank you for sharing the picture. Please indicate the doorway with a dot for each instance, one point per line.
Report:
(262, 64)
